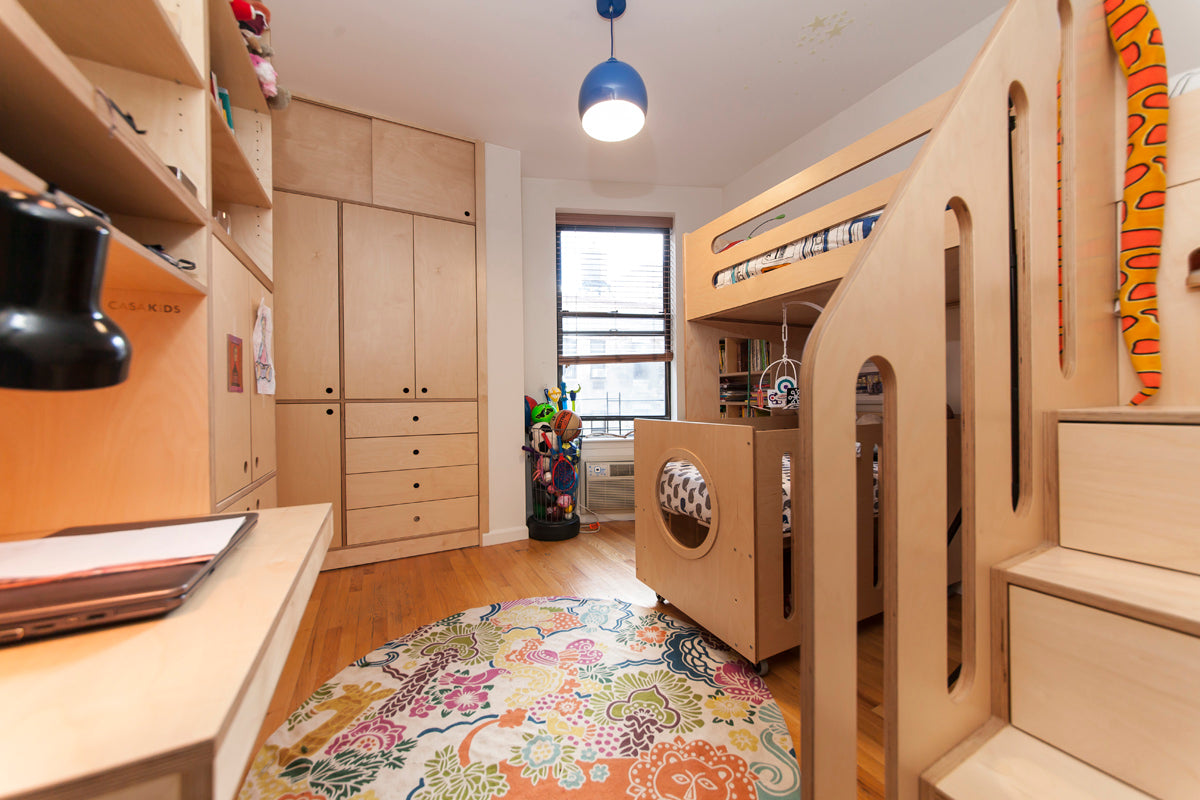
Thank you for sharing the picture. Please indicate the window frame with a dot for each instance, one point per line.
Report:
(618, 224)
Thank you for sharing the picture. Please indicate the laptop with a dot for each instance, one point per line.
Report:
(111, 574)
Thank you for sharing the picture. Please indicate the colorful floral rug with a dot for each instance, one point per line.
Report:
(551, 697)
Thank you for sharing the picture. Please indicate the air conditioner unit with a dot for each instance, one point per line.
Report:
(608, 487)
(606, 477)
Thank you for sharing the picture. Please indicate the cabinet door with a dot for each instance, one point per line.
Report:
(262, 406)
(231, 377)
(310, 457)
(323, 151)
(444, 288)
(421, 171)
(306, 290)
(377, 285)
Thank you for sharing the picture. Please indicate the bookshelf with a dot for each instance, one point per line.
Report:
(740, 367)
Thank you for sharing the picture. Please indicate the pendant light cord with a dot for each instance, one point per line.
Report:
(611, 39)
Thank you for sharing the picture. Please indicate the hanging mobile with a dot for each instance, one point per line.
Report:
(780, 381)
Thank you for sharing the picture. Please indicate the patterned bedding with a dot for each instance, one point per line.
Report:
(844, 233)
(682, 490)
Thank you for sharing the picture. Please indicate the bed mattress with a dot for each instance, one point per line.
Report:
(683, 490)
(848, 232)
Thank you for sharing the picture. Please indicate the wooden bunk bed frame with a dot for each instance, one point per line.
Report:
(885, 301)
(732, 579)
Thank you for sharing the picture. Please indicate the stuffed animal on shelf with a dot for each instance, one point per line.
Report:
(253, 16)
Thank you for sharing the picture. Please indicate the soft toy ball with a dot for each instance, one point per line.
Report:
(567, 424)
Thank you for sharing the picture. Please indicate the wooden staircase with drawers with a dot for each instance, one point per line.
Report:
(1097, 638)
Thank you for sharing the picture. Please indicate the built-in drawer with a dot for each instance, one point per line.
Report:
(381, 454)
(409, 419)
(370, 489)
(411, 520)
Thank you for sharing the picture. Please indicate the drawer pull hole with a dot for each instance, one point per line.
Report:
(416, 418)
(256, 461)
(329, 411)
(406, 390)
(245, 466)
(424, 389)
(328, 390)
(416, 486)
(416, 452)
(417, 518)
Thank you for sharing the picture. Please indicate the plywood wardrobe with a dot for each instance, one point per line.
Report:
(379, 326)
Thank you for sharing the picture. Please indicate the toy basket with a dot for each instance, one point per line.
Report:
(553, 503)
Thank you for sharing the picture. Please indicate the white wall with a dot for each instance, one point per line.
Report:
(938, 72)
(541, 200)
(505, 351)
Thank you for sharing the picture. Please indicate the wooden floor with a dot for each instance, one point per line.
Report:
(354, 610)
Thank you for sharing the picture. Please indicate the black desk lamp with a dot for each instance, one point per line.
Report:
(52, 332)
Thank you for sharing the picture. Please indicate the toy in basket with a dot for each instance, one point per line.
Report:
(552, 460)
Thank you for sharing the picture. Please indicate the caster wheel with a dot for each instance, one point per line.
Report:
(662, 600)
(762, 668)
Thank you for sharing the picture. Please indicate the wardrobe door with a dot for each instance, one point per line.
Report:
(310, 457)
(444, 286)
(377, 285)
(306, 291)
(231, 349)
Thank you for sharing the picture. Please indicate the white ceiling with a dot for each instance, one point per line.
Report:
(729, 83)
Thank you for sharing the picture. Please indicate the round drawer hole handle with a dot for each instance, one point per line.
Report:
(406, 390)
(256, 461)
(416, 452)
(245, 466)
(328, 390)
(417, 518)
(416, 418)
(329, 411)
(424, 390)
(416, 486)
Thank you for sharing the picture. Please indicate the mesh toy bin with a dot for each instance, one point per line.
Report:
(555, 516)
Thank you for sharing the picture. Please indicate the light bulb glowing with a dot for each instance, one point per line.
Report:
(613, 120)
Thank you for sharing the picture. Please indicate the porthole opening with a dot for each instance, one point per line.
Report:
(685, 503)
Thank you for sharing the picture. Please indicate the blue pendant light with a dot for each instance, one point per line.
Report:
(612, 99)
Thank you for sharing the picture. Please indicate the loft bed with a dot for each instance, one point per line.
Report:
(1044, 91)
(722, 554)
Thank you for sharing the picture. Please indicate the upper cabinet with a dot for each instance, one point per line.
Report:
(422, 172)
(323, 151)
(340, 154)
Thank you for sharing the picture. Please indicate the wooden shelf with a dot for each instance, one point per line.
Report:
(130, 265)
(136, 35)
(71, 136)
(241, 255)
(231, 61)
(234, 179)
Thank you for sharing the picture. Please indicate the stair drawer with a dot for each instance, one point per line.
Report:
(1121, 694)
(410, 419)
(381, 454)
(371, 489)
(411, 520)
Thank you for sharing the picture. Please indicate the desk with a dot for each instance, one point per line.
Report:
(166, 708)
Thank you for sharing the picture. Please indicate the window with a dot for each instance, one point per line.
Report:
(614, 319)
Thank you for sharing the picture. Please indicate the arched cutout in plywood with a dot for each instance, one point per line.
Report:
(1193, 278)
(1019, 307)
(870, 480)
(1066, 191)
(962, 592)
